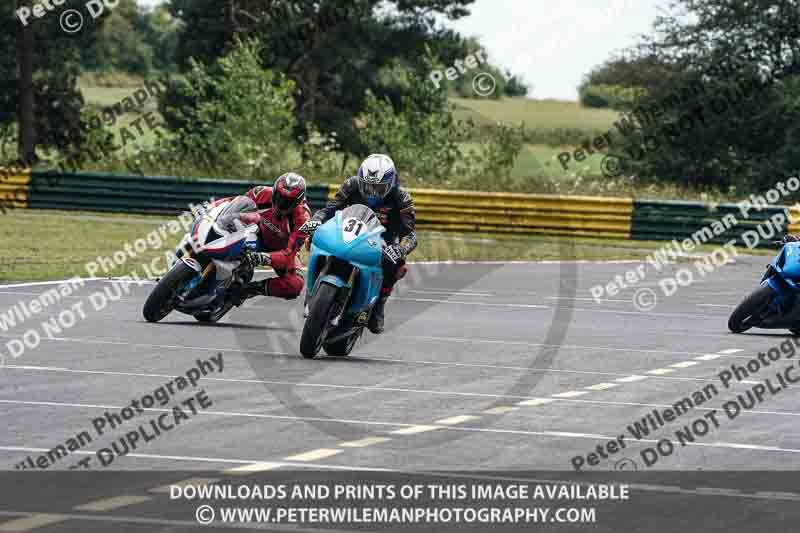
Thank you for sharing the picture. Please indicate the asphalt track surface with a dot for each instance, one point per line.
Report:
(509, 368)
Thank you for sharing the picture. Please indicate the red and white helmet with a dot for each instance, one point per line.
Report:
(288, 192)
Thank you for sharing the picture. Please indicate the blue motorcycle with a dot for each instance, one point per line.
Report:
(343, 280)
(774, 305)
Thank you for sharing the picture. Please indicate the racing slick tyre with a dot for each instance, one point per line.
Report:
(316, 326)
(342, 347)
(161, 301)
(749, 313)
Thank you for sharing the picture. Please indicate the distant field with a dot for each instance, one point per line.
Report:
(109, 96)
(534, 113)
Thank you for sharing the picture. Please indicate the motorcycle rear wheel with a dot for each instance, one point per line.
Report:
(742, 317)
(314, 329)
(161, 301)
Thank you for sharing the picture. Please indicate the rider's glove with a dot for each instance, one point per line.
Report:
(398, 251)
(256, 259)
(309, 228)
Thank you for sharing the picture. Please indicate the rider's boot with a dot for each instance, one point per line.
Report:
(375, 324)
(248, 290)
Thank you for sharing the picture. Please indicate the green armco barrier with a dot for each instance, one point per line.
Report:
(656, 220)
(138, 194)
(439, 210)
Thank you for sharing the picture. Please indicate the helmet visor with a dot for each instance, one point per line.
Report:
(284, 203)
(375, 190)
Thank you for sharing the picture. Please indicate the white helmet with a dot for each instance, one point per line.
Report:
(377, 176)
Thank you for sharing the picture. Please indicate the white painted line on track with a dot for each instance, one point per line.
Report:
(32, 521)
(313, 455)
(603, 386)
(731, 350)
(660, 371)
(570, 394)
(482, 304)
(245, 462)
(363, 443)
(601, 300)
(631, 379)
(369, 388)
(456, 420)
(413, 430)
(535, 402)
(709, 357)
(500, 410)
(252, 468)
(454, 293)
(109, 504)
(43, 283)
(567, 346)
(684, 364)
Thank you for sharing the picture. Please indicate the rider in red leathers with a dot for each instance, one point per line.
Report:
(282, 211)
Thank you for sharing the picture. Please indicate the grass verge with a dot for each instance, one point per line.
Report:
(44, 244)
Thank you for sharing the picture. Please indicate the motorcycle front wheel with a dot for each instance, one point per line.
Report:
(161, 301)
(342, 347)
(316, 325)
(748, 313)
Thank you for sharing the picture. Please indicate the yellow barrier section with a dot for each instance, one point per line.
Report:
(794, 219)
(468, 211)
(14, 187)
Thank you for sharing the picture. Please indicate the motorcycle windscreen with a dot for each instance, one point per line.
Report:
(358, 220)
(228, 218)
(227, 236)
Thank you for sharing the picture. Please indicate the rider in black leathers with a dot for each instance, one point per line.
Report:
(376, 186)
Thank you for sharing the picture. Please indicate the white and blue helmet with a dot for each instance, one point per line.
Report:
(377, 176)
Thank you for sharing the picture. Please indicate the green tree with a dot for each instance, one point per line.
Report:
(334, 51)
(120, 43)
(727, 111)
(57, 102)
(235, 116)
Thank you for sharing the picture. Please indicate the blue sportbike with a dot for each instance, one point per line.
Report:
(776, 303)
(343, 280)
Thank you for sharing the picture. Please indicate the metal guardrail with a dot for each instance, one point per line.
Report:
(443, 210)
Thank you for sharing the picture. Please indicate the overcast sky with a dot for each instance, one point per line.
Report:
(552, 44)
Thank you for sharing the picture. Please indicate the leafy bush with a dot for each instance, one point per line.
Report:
(233, 116)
